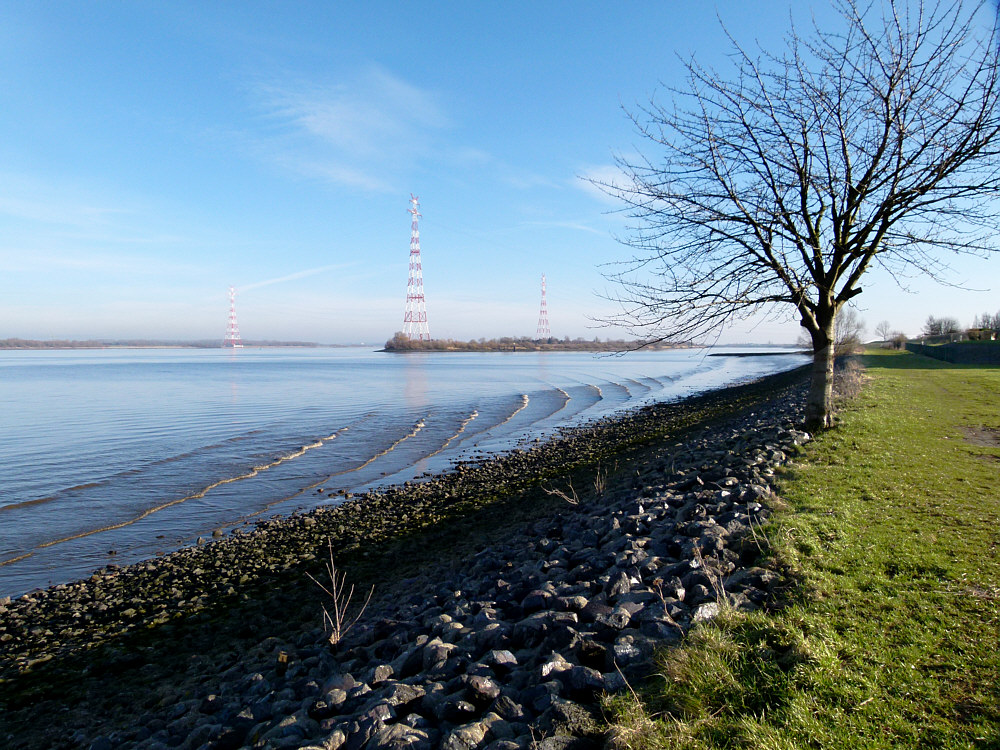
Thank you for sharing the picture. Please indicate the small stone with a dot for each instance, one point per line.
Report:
(211, 704)
(481, 690)
(617, 619)
(465, 737)
(705, 612)
(618, 585)
(400, 737)
(402, 694)
(506, 708)
(501, 660)
(381, 673)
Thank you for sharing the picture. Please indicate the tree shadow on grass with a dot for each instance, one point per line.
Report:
(903, 360)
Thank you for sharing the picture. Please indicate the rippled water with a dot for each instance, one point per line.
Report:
(142, 451)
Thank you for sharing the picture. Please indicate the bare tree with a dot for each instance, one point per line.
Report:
(987, 321)
(883, 330)
(941, 326)
(873, 144)
(848, 334)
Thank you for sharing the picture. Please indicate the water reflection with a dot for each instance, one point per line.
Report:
(415, 393)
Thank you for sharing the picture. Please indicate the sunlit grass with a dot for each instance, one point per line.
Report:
(891, 636)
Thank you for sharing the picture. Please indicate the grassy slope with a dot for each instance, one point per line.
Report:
(891, 635)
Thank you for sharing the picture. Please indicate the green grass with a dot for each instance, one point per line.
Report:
(890, 637)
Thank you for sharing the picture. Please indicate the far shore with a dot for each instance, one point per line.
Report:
(15, 344)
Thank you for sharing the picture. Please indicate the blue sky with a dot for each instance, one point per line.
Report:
(152, 154)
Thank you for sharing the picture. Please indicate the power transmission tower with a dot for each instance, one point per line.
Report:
(543, 331)
(232, 329)
(415, 320)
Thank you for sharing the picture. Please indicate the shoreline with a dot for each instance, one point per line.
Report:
(120, 619)
(130, 531)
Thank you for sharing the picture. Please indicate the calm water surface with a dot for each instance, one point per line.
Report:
(142, 451)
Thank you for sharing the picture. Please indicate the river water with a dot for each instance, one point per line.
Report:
(120, 455)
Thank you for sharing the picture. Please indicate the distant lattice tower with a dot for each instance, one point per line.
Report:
(232, 339)
(415, 320)
(543, 331)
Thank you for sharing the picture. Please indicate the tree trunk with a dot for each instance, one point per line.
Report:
(819, 405)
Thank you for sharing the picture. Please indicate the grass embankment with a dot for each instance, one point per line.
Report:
(890, 635)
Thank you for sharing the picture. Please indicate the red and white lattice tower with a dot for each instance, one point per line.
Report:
(415, 320)
(232, 339)
(543, 331)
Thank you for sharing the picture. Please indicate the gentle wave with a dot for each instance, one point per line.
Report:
(177, 501)
(134, 472)
(269, 506)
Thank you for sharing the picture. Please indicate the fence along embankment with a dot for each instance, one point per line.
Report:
(976, 353)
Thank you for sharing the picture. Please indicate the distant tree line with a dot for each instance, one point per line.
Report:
(400, 342)
(987, 321)
(984, 326)
(16, 343)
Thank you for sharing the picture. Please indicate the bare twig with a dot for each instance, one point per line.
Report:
(658, 587)
(572, 498)
(337, 625)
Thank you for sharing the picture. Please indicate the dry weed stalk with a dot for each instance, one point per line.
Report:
(849, 380)
(600, 481)
(715, 579)
(337, 625)
(658, 585)
(753, 531)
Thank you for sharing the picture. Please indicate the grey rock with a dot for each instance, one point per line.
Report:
(380, 674)
(582, 682)
(456, 709)
(617, 619)
(466, 737)
(507, 745)
(321, 710)
(211, 704)
(536, 600)
(435, 654)
(500, 660)
(705, 612)
(360, 732)
(594, 609)
(400, 737)
(343, 681)
(565, 717)
(506, 708)
(481, 690)
(399, 694)
(618, 585)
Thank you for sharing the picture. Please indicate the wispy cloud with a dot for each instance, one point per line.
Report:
(22, 259)
(357, 132)
(576, 225)
(29, 199)
(590, 180)
(295, 276)
(40, 210)
(63, 213)
(523, 179)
